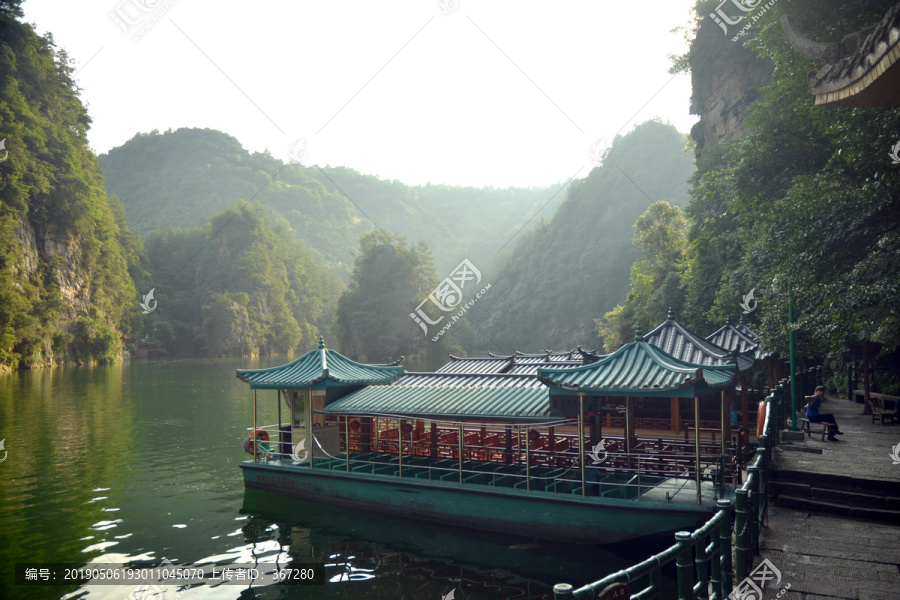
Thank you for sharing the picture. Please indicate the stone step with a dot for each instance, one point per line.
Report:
(837, 496)
(886, 515)
(874, 487)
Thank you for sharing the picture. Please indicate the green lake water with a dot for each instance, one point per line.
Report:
(139, 461)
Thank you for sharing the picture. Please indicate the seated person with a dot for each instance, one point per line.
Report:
(814, 416)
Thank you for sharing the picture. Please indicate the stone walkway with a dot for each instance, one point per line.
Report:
(823, 556)
(863, 452)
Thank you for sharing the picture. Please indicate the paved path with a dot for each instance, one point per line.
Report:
(863, 452)
(823, 556)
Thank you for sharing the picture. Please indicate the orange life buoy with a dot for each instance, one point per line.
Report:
(761, 417)
(255, 436)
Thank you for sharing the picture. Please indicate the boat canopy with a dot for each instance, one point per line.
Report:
(640, 369)
(318, 369)
(684, 344)
(479, 397)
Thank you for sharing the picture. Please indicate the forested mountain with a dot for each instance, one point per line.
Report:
(179, 178)
(575, 267)
(66, 293)
(238, 286)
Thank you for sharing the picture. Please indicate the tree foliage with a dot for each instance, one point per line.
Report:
(390, 278)
(240, 285)
(660, 235)
(65, 288)
(808, 197)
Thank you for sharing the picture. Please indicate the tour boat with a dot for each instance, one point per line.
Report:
(505, 444)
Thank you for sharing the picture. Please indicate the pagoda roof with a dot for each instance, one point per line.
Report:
(862, 70)
(318, 369)
(742, 327)
(682, 343)
(519, 362)
(738, 339)
(458, 396)
(730, 337)
(640, 369)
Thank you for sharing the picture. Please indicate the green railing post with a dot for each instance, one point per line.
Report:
(753, 508)
(683, 565)
(742, 557)
(762, 487)
(655, 577)
(701, 556)
(562, 591)
(725, 548)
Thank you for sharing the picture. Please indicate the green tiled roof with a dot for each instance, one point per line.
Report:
(639, 369)
(320, 367)
(447, 402)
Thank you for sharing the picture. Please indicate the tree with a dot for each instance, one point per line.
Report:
(242, 285)
(660, 235)
(389, 280)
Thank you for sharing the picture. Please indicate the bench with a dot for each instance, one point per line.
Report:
(878, 410)
(806, 425)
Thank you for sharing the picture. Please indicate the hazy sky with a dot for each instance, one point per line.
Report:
(502, 93)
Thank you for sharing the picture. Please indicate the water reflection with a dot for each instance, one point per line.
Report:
(141, 462)
(398, 558)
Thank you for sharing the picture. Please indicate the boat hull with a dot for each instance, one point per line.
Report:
(537, 514)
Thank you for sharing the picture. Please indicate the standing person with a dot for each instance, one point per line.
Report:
(814, 416)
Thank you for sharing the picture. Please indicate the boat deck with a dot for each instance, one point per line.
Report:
(622, 484)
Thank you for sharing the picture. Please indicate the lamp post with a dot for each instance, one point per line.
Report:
(793, 369)
(776, 288)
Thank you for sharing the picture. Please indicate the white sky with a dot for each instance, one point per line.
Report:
(501, 93)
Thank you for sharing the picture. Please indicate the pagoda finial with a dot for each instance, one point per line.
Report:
(638, 334)
(671, 316)
(742, 320)
(728, 320)
(321, 343)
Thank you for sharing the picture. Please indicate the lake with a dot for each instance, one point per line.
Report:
(139, 461)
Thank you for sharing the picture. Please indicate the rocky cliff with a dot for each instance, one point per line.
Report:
(66, 292)
(726, 80)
